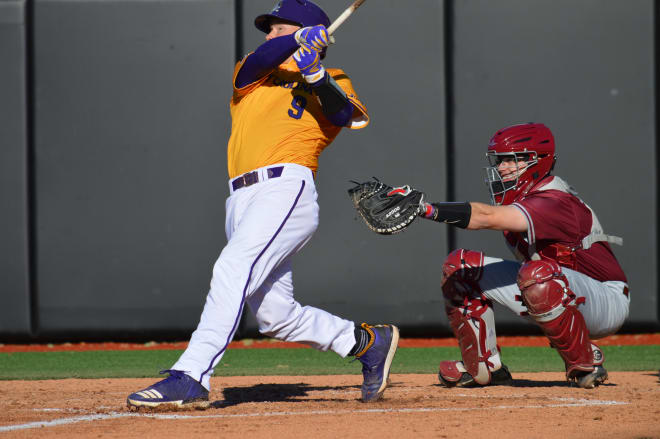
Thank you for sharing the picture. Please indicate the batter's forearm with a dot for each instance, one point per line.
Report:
(269, 55)
(334, 102)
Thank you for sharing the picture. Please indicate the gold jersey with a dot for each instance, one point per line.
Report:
(277, 119)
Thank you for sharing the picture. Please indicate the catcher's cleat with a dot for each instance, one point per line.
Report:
(376, 360)
(454, 374)
(589, 380)
(178, 391)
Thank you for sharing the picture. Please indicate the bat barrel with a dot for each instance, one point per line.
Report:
(344, 15)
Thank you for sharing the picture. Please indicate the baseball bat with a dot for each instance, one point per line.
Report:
(343, 17)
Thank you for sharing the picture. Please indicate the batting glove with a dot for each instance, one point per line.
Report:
(309, 64)
(314, 36)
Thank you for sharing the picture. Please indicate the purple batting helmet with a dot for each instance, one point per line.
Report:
(300, 12)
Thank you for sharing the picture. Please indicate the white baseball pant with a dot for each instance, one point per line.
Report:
(266, 224)
(605, 308)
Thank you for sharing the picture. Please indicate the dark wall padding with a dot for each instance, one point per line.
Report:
(585, 69)
(127, 150)
(131, 127)
(14, 284)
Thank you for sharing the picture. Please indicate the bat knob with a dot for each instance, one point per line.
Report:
(331, 39)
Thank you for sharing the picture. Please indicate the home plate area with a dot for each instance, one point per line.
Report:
(539, 405)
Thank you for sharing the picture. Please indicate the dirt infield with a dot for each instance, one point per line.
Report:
(538, 405)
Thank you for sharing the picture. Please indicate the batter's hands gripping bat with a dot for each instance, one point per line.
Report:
(343, 17)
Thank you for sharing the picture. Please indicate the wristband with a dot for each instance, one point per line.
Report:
(455, 214)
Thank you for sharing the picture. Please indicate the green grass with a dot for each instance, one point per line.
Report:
(132, 364)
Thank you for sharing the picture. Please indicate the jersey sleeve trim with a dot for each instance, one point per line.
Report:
(360, 120)
(531, 235)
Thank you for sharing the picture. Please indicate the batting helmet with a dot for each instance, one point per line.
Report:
(300, 12)
(531, 143)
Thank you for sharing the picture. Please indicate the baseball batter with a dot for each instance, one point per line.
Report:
(286, 108)
(567, 279)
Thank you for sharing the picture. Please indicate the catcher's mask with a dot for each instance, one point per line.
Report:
(528, 151)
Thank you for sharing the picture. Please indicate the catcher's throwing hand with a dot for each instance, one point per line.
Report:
(386, 209)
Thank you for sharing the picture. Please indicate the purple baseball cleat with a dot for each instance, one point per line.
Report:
(176, 391)
(376, 360)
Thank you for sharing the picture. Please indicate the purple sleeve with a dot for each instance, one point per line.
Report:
(336, 106)
(269, 55)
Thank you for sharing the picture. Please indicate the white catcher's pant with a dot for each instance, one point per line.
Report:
(266, 224)
(605, 308)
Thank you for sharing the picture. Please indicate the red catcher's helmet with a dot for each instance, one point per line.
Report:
(531, 143)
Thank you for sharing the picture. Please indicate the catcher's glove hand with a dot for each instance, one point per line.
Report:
(386, 209)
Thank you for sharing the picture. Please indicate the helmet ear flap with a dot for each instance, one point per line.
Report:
(554, 162)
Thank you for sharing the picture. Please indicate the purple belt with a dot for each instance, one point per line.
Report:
(250, 178)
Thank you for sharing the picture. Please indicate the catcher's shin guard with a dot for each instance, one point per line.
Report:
(471, 317)
(549, 301)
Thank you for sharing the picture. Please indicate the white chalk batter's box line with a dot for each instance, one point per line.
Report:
(562, 402)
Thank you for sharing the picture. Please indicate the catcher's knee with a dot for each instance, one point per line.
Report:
(461, 273)
(544, 289)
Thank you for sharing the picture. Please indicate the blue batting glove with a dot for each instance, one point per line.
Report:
(309, 64)
(314, 36)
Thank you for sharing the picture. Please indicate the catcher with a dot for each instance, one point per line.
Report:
(567, 279)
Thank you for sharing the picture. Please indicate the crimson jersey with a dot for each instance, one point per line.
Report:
(558, 223)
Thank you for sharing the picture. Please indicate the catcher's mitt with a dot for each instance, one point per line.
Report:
(386, 209)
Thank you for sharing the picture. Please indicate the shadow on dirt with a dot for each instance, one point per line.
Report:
(654, 375)
(530, 383)
(276, 393)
